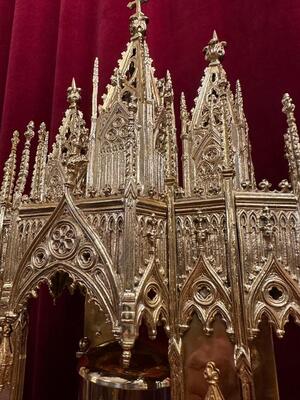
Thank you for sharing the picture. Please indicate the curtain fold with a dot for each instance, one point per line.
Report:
(44, 43)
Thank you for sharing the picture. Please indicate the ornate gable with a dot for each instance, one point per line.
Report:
(67, 244)
(216, 133)
(143, 144)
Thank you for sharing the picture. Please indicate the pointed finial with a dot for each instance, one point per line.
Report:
(238, 90)
(215, 50)
(24, 165)
(29, 133)
(73, 94)
(168, 76)
(169, 86)
(96, 70)
(9, 171)
(239, 98)
(95, 92)
(39, 169)
(15, 140)
(183, 107)
(95, 89)
(292, 143)
(42, 130)
(288, 107)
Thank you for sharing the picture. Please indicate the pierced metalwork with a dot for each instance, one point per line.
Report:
(106, 209)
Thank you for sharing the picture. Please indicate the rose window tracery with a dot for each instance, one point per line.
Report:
(63, 240)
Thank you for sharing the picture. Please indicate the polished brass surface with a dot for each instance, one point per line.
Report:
(107, 211)
(211, 374)
(264, 364)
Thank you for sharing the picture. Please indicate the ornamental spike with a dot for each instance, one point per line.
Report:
(291, 138)
(169, 94)
(95, 87)
(239, 103)
(172, 164)
(24, 165)
(39, 169)
(9, 171)
(90, 178)
(184, 114)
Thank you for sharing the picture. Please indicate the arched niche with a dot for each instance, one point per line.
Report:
(263, 361)
(55, 327)
(200, 347)
(56, 305)
(287, 350)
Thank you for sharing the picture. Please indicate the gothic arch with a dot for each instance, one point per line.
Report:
(66, 243)
(271, 294)
(204, 293)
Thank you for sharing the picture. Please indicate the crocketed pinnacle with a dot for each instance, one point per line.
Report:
(29, 133)
(73, 94)
(138, 21)
(169, 94)
(288, 106)
(215, 50)
(183, 106)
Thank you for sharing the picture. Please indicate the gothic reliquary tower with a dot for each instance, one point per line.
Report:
(207, 260)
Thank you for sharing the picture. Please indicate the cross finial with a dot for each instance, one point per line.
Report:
(137, 5)
(138, 21)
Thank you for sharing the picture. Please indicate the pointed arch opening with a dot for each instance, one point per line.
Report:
(55, 326)
(263, 361)
(199, 347)
(62, 314)
(286, 351)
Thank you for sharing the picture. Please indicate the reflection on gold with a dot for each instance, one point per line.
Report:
(96, 327)
(107, 212)
(263, 364)
(199, 349)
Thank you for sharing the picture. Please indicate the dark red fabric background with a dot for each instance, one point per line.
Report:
(44, 43)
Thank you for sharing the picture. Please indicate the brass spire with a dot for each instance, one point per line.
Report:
(39, 169)
(171, 166)
(183, 108)
(292, 142)
(215, 50)
(9, 171)
(239, 103)
(24, 165)
(169, 86)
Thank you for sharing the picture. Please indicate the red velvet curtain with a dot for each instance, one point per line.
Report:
(44, 43)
